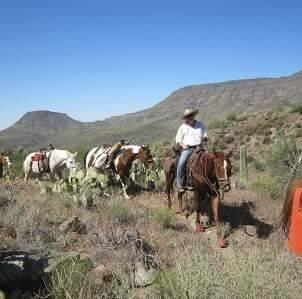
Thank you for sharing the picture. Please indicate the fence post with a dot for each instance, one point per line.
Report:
(243, 164)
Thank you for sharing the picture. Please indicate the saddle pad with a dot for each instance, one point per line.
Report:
(37, 157)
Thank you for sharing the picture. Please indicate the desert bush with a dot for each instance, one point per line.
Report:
(70, 279)
(259, 165)
(298, 133)
(74, 279)
(281, 158)
(297, 109)
(217, 123)
(201, 274)
(267, 140)
(231, 116)
(119, 211)
(219, 144)
(242, 117)
(17, 159)
(164, 217)
(229, 139)
(267, 185)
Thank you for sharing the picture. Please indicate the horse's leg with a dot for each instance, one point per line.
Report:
(199, 227)
(169, 185)
(180, 207)
(123, 181)
(27, 172)
(215, 208)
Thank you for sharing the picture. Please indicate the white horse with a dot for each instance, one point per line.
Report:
(55, 162)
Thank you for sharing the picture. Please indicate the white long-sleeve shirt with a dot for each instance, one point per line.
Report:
(191, 136)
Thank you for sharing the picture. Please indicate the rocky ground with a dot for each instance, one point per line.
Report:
(139, 249)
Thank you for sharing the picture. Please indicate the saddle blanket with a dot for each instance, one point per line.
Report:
(37, 157)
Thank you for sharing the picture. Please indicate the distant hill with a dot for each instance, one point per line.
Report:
(39, 128)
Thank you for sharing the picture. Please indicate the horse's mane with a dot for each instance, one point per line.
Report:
(288, 205)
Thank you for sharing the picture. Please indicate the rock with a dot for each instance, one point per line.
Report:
(250, 230)
(143, 277)
(73, 224)
(103, 273)
(21, 270)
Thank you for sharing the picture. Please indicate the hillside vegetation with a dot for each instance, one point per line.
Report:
(158, 123)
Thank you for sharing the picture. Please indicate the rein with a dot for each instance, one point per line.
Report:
(212, 186)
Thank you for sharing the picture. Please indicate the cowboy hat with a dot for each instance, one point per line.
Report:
(189, 112)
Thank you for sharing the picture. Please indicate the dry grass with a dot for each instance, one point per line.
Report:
(192, 264)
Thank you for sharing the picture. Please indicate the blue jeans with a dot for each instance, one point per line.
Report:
(184, 156)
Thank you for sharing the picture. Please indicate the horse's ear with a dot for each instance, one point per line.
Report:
(75, 154)
(228, 154)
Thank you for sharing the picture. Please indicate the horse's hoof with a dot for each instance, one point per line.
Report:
(199, 228)
(223, 243)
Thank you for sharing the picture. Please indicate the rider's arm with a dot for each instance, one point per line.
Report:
(180, 138)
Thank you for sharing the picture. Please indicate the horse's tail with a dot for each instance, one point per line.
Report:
(288, 205)
(84, 162)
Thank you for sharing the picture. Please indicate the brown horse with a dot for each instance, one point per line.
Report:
(210, 176)
(288, 205)
(4, 160)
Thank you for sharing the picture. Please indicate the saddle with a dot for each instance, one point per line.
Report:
(41, 161)
(38, 157)
(195, 155)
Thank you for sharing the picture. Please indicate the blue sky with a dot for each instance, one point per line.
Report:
(93, 59)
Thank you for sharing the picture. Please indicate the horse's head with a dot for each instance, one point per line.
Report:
(145, 155)
(223, 169)
(70, 161)
(4, 160)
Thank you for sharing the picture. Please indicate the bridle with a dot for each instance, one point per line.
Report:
(221, 181)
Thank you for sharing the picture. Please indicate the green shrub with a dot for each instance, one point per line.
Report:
(281, 158)
(164, 217)
(73, 279)
(267, 185)
(217, 123)
(119, 211)
(298, 133)
(70, 279)
(267, 140)
(297, 109)
(259, 165)
(242, 117)
(202, 274)
(231, 116)
(229, 139)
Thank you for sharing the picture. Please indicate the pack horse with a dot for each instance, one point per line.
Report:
(122, 161)
(53, 162)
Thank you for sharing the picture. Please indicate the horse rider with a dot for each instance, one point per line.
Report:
(50, 148)
(190, 135)
(114, 150)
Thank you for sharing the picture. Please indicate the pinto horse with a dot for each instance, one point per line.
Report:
(4, 160)
(210, 176)
(123, 161)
